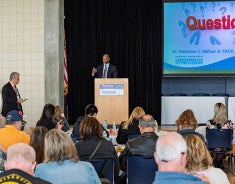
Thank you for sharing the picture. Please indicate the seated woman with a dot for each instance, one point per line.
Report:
(61, 164)
(219, 121)
(187, 123)
(130, 127)
(199, 162)
(47, 118)
(91, 133)
(60, 117)
(37, 142)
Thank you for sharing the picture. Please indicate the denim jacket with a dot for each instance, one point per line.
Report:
(68, 172)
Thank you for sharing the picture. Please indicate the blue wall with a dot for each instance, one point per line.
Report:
(191, 85)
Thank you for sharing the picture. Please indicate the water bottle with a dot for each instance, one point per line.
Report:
(105, 124)
(105, 135)
(114, 126)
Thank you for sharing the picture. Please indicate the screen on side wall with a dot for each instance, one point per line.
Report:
(199, 38)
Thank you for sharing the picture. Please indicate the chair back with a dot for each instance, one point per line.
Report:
(141, 169)
(132, 136)
(219, 138)
(104, 168)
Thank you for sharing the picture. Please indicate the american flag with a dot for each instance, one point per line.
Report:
(66, 82)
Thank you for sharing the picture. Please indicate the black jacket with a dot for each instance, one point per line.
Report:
(9, 100)
(20, 177)
(144, 145)
(106, 150)
(133, 128)
(112, 71)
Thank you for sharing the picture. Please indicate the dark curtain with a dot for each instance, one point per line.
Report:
(131, 32)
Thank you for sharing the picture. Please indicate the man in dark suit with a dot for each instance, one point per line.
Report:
(106, 70)
(11, 96)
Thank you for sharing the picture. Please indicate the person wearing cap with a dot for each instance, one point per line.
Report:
(20, 165)
(142, 145)
(11, 96)
(170, 156)
(11, 133)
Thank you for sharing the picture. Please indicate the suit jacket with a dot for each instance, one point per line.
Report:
(112, 71)
(9, 100)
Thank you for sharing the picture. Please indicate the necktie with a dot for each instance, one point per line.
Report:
(17, 92)
(105, 72)
(18, 97)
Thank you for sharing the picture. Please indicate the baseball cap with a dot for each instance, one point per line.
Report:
(14, 116)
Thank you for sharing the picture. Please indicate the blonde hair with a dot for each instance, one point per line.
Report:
(198, 157)
(58, 111)
(137, 113)
(187, 120)
(220, 114)
(59, 147)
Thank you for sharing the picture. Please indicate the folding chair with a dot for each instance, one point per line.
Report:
(104, 168)
(220, 139)
(141, 169)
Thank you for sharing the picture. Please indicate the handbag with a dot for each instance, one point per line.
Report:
(95, 150)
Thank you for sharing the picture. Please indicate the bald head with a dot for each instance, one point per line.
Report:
(21, 156)
(147, 121)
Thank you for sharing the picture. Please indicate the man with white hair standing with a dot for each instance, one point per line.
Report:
(20, 165)
(170, 156)
(11, 99)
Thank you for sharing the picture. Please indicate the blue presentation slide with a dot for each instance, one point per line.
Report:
(199, 37)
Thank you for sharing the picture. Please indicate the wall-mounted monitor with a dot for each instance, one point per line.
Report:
(199, 38)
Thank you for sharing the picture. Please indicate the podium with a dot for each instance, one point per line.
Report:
(112, 99)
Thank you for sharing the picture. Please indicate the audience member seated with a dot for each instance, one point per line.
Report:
(187, 123)
(11, 133)
(142, 145)
(20, 165)
(170, 156)
(90, 111)
(200, 163)
(130, 126)
(60, 117)
(37, 142)
(61, 164)
(91, 133)
(47, 118)
(219, 121)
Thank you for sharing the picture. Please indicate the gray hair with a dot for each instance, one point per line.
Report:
(21, 151)
(170, 146)
(147, 121)
(14, 75)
